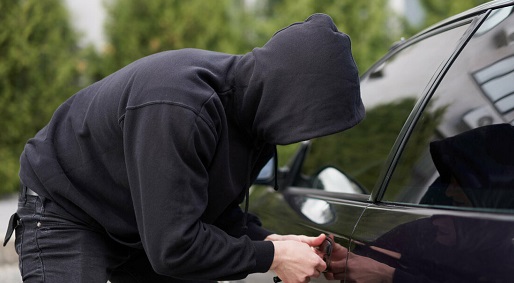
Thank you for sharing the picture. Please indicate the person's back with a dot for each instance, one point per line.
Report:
(78, 159)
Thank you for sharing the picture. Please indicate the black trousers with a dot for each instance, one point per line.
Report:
(53, 247)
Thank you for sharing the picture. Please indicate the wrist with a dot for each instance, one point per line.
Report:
(278, 254)
(387, 273)
(272, 237)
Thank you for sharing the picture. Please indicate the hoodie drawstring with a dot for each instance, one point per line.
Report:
(276, 169)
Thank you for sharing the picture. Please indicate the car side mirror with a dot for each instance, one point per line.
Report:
(331, 179)
(267, 174)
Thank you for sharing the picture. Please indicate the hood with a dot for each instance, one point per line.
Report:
(482, 163)
(303, 83)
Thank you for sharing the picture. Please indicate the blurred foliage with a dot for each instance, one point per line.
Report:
(138, 28)
(230, 26)
(42, 65)
(436, 10)
(37, 72)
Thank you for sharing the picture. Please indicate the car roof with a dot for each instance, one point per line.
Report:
(456, 18)
(466, 14)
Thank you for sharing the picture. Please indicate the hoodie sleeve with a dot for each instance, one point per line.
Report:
(168, 149)
(231, 221)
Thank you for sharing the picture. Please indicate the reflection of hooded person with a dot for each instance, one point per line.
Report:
(159, 154)
(481, 162)
(445, 248)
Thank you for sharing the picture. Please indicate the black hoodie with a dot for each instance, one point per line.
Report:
(160, 153)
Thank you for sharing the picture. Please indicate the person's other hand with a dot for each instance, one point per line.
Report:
(358, 269)
(338, 262)
(296, 261)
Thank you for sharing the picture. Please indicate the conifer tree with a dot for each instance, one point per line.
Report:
(37, 73)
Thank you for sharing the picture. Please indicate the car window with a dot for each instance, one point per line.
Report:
(461, 151)
(389, 92)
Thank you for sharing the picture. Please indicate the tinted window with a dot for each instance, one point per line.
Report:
(389, 92)
(461, 152)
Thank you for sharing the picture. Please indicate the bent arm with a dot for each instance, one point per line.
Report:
(168, 150)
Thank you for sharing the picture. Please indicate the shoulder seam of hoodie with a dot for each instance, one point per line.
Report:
(160, 102)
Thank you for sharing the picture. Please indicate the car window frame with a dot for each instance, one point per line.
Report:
(475, 21)
(308, 192)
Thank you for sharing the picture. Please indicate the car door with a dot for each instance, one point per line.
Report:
(330, 182)
(444, 211)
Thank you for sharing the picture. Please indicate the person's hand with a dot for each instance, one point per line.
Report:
(357, 269)
(311, 241)
(296, 261)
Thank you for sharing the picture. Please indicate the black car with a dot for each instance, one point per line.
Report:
(424, 185)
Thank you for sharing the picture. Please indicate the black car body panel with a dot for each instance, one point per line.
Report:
(425, 184)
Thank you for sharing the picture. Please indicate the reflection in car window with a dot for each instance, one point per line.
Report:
(461, 150)
(389, 92)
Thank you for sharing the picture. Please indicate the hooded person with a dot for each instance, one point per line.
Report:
(146, 168)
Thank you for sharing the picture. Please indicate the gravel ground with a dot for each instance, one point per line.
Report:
(9, 272)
